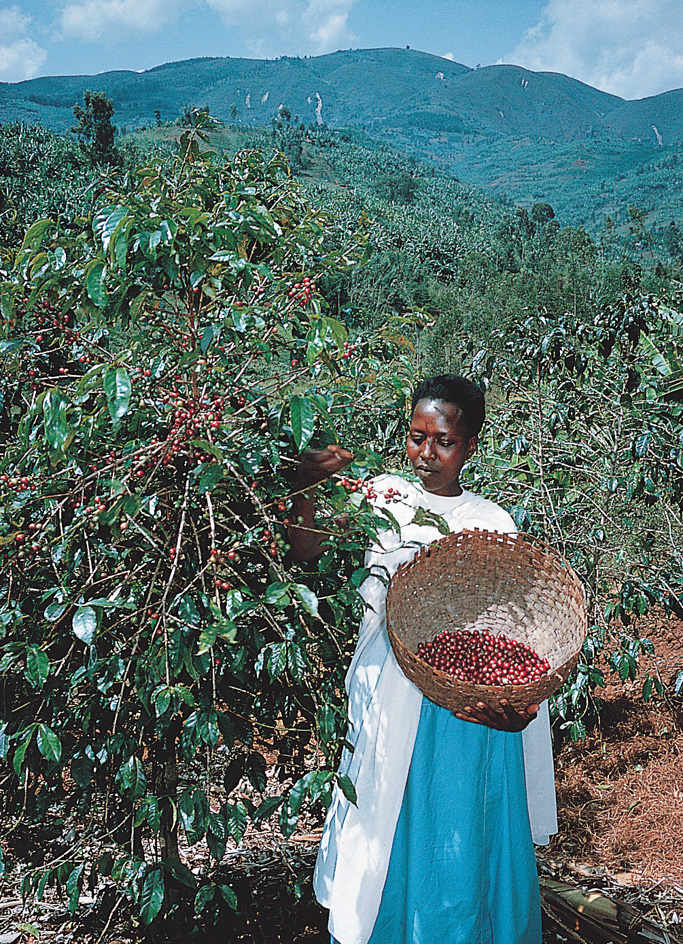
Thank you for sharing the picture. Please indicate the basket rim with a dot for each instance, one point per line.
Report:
(525, 537)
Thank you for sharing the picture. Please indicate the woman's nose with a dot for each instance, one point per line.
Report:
(427, 448)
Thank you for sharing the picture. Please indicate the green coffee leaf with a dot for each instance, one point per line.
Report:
(131, 779)
(84, 624)
(37, 666)
(54, 612)
(431, 519)
(117, 387)
(82, 770)
(303, 414)
(307, 598)
(5, 742)
(228, 896)
(203, 897)
(74, 883)
(180, 872)
(49, 744)
(211, 475)
(95, 279)
(22, 748)
(266, 808)
(35, 233)
(57, 429)
(152, 895)
(109, 222)
(277, 594)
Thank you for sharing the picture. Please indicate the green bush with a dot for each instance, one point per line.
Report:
(165, 359)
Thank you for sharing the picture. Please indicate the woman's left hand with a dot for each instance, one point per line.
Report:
(507, 719)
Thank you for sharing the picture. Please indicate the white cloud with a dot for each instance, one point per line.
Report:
(326, 24)
(274, 27)
(631, 48)
(267, 27)
(89, 20)
(449, 55)
(20, 60)
(20, 57)
(13, 22)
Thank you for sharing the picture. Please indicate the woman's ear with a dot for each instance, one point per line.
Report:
(472, 445)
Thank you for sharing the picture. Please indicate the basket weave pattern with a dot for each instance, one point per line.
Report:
(484, 580)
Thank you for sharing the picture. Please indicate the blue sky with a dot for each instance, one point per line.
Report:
(632, 48)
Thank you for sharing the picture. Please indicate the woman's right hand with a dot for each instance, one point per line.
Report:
(316, 465)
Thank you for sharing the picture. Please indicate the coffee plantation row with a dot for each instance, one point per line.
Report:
(169, 347)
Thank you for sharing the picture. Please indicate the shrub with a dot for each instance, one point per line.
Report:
(166, 357)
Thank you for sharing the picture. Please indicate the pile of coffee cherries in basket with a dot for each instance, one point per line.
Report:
(482, 658)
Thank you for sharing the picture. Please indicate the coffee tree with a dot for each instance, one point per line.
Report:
(165, 360)
(94, 127)
(587, 453)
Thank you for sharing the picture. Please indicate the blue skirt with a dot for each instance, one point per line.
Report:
(462, 867)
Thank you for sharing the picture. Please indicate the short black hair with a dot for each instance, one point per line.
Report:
(458, 390)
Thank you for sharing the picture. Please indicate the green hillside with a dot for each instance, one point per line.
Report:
(586, 182)
(397, 78)
(509, 100)
(523, 136)
(382, 87)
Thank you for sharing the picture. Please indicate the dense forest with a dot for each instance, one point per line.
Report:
(182, 312)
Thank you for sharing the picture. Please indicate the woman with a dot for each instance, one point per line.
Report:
(438, 848)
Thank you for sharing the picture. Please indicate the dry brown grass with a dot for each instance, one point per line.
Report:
(620, 792)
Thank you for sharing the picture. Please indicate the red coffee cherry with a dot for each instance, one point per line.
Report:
(483, 658)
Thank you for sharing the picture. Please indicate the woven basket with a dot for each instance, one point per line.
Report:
(484, 580)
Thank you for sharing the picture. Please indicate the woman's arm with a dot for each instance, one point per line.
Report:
(316, 465)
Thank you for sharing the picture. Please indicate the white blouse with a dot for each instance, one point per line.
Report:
(384, 711)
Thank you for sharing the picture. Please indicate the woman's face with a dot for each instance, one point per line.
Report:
(438, 446)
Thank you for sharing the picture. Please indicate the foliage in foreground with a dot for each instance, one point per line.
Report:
(43, 174)
(165, 359)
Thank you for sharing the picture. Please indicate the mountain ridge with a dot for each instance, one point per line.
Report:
(377, 88)
(523, 136)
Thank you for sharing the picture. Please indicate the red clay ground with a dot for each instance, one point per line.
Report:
(620, 795)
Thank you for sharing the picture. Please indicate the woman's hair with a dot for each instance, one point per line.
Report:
(460, 391)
